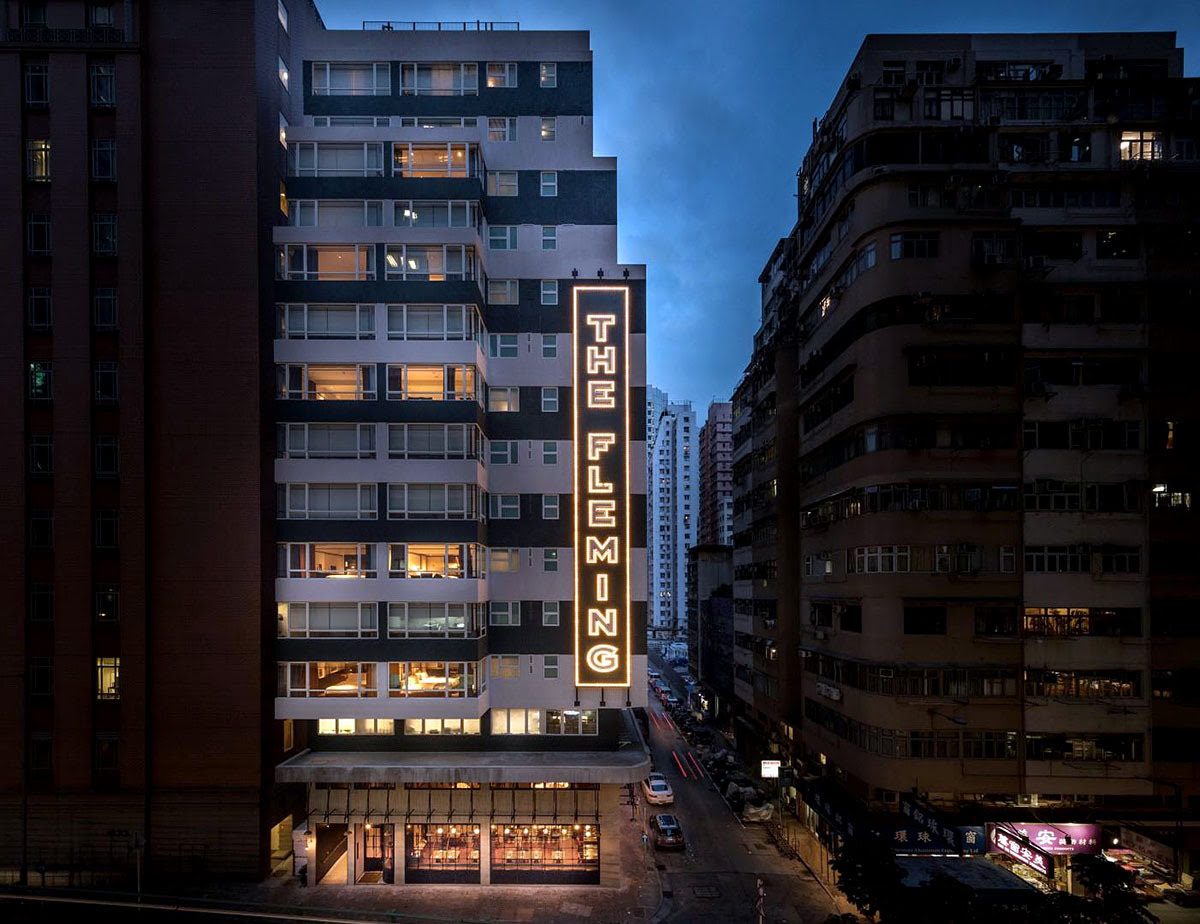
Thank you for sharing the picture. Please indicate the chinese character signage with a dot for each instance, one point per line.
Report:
(1017, 847)
(601, 444)
(1059, 839)
(770, 769)
(939, 834)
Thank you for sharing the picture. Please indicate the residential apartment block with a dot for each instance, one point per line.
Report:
(413, 475)
(716, 478)
(673, 512)
(963, 516)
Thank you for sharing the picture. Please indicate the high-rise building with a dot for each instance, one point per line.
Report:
(408, 499)
(673, 512)
(710, 627)
(967, 419)
(716, 480)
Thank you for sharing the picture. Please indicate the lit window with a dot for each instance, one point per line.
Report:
(549, 128)
(502, 183)
(502, 129)
(504, 561)
(283, 127)
(108, 678)
(1141, 145)
(37, 161)
(502, 75)
(549, 75)
(283, 15)
(504, 399)
(283, 73)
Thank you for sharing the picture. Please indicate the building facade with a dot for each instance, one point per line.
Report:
(710, 628)
(460, 367)
(969, 366)
(716, 479)
(673, 512)
(342, 574)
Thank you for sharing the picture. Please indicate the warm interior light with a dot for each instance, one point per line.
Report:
(391, 260)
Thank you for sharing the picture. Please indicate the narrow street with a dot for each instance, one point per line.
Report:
(714, 878)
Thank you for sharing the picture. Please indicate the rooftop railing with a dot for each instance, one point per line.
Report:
(399, 25)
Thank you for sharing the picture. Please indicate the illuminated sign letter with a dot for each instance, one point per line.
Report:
(601, 439)
(598, 551)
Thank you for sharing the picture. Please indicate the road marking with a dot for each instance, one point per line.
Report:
(699, 772)
(679, 765)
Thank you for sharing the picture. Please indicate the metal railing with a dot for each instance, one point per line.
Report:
(400, 25)
(42, 35)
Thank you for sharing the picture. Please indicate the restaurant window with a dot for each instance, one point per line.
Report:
(441, 853)
(559, 854)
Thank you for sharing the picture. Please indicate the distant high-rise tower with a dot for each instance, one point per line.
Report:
(673, 509)
(716, 480)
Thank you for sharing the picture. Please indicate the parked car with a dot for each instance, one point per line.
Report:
(657, 790)
(666, 832)
(653, 674)
(671, 700)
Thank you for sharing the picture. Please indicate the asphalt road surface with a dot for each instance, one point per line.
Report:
(715, 877)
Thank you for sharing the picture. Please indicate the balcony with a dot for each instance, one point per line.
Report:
(45, 35)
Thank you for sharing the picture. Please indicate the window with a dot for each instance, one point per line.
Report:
(107, 523)
(41, 603)
(549, 237)
(39, 308)
(501, 75)
(101, 15)
(504, 613)
(878, 559)
(549, 559)
(104, 159)
(450, 79)
(549, 346)
(885, 106)
(1008, 559)
(298, 382)
(104, 382)
(289, 733)
(326, 678)
(434, 441)
(548, 72)
(41, 754)
(337, 79)
(924, 620)
(41, 454)
(550, 612)
(441, 726)
(37, 161)
(502, 182)
(104, 309)
(914, 245)
(108, 678)
(416, 501)
(502, 346)
(502, 292)
(1141, 146)
(550, 667)
(550, 506)
(283, 16)
(326, 262)
(37, 233)
(504, 561)
(431, 383)
(436, 620)
(41, 380)
(41, 676)
(505, 667)
(1120, 560)
(336, 213)
(1056, 559)
(504, 399)
(549, 452)
(549, 129)
(310, 158)
(549, 291)
(504, 506)
(325, 560)
(326, 501)
(429, 262)
(106, 603)
(550, 399)
(104, 234)
(106, 757)
(327, 620)
(423, 560)
(326, 322)
(1117, 244)
(37, 85)
(41, 529)
(438, 213)
(283, 73)
(432, 322)
(549, 187)
(103, 85)
(503, 452)
(502, 237)
(502, 129)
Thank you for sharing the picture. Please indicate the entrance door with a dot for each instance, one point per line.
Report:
(331, 848)
(378, 854)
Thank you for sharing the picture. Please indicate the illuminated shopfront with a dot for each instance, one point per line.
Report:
(567, 854)
(441, 853)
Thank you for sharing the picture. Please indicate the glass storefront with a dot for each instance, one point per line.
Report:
(568, 854)
(441, 853)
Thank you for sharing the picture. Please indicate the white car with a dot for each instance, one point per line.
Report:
(657, 790)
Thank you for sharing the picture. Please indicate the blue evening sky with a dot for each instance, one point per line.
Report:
(708, 107)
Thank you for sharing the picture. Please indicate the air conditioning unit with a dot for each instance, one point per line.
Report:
(819, 634)
(955, 179)
(1029, 799)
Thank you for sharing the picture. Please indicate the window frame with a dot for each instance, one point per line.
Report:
(325, 88)
(548, 75)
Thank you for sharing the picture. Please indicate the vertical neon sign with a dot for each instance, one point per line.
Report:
(600, 357)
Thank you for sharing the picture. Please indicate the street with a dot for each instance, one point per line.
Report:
(715, 877)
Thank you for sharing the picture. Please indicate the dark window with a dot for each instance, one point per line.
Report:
(108, 603)
(106, 529)
(995, 620)
(924, 620)
(850, 618)
(106, 755)
(108, 456)
(39, 308)
(41, 529)
(41, 754)
(37, 85)
(909, 245)
(41, 454)
(41, 603)
(41, 676)
(104, 379)
(38, 240)
(1117, 244)
(104, 309)
(885, 106)
(103, 85)
(1054, 245)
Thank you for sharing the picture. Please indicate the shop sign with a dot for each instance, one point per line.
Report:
(1018, 849)
(1059, 839)
(932, 830)
(603, 621)
(770, 769)
(1149, 848)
